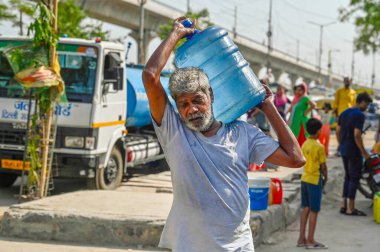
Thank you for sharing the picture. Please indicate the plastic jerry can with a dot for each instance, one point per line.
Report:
(276, 191)
(376, 207)
(235, 86)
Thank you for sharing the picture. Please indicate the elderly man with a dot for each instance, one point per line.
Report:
(208, 159)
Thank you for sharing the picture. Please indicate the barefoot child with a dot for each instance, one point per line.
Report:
(311, 184)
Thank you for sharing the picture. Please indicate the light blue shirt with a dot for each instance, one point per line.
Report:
(210, 211)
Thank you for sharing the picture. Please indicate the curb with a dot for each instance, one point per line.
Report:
(81, 229)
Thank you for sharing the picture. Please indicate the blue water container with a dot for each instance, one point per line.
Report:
(138, 113)
(235, 86)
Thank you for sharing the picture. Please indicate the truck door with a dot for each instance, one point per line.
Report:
(110, 115)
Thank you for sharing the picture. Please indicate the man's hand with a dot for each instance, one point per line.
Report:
(268, 99)
(151, 73)
(289, 154)
(180, 29)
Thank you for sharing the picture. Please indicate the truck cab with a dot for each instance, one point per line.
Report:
(91, 126)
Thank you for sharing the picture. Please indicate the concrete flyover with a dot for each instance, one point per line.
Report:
(126, 13)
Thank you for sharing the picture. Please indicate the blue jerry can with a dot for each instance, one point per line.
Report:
(235, 86)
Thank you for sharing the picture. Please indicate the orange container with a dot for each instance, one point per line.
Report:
(276, 191)
(255, 167)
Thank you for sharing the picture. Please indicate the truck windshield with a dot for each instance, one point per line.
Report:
(78, 70)
(79, 73)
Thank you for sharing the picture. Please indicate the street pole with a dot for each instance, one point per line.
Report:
(373, 76)
(320, 50)
(353, 61)
(21, 24)
(298, 50)
(329, 66)
(269, 35)
(141, 53)
(352, 42)
(188, 6)
(321, 26)
(235, 23)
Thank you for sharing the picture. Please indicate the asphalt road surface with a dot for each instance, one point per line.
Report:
(339, 232)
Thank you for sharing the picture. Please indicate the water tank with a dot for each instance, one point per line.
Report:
(138, 113)
(235, 86)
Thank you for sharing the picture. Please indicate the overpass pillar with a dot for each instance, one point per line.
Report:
(148, 36)
(276, 73)
(293, 77)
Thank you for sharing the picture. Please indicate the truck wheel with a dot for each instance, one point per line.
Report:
(7, 179)
(110, 177)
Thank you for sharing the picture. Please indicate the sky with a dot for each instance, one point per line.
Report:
(290, 23)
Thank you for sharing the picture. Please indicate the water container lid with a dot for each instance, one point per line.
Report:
(258, 182)
(187, 23)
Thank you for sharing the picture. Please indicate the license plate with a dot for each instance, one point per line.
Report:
(14, 164)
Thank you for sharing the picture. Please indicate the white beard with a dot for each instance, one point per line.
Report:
(204, 124)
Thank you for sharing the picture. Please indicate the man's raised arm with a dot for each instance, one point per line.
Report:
(152, 71)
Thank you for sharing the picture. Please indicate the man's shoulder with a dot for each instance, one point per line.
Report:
(320, 146)
(348, 111)
(357, 112)
(238, 123)
(241, 126)
(340, 90)
(307, 144)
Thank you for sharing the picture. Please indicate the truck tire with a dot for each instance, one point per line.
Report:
(110, 177)
(7, 179)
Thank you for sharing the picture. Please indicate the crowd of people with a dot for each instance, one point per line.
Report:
(209, 159)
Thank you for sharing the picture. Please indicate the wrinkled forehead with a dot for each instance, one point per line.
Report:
(191, 96)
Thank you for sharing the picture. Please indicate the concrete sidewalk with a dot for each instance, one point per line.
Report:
(133, 216)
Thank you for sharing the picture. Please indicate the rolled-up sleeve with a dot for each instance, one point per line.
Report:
(261, 146)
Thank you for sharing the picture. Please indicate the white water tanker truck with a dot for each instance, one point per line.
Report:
(104, 128)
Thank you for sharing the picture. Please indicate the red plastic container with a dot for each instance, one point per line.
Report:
(276, 188)
(255, 167)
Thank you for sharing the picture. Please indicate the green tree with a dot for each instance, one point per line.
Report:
(366, 15)
(71, 22)
(202, 21)
(5, 13)
(23, 8)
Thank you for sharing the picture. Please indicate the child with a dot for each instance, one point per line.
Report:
(326, 116)
(311, 184)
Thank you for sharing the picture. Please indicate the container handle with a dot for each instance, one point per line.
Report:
(277, 182)
(187, 23)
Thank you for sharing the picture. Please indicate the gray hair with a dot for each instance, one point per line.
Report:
(188, 80)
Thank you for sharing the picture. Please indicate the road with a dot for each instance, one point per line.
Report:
(142, 178)
(340, 232)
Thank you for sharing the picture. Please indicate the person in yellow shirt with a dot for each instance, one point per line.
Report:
(345, 97)
(313, 178)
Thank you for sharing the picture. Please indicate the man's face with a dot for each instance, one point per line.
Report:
(195, 110)
(363, 106)
(347, 82)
